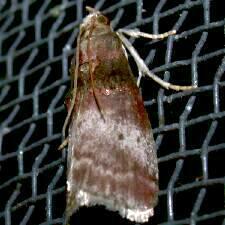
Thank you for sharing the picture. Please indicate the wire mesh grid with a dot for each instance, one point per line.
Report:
(36, 46)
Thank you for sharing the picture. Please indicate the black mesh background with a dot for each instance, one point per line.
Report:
(36, 46)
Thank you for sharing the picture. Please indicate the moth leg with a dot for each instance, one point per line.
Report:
(137, 34)
(64, 144)
(143, 69)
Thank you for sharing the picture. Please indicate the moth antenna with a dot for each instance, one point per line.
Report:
(74, 89)
(64, 144)
(90, 9)
(96, 99)
(91, 70)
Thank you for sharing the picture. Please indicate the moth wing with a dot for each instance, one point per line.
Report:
(112, 161)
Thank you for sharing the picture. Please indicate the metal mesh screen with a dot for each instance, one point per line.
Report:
(36, 46)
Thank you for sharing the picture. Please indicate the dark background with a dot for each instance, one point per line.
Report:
(37, 41)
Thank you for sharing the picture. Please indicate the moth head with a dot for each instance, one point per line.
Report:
(100, 19)
(95, 20)
(97, 16)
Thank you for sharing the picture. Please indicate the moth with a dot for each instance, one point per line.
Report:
(111, 151)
